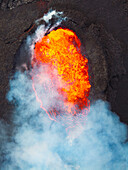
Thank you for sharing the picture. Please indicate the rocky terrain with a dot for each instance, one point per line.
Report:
(102, 27)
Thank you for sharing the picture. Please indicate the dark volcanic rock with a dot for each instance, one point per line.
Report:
(10, 4)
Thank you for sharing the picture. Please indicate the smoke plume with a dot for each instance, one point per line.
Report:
(97, 141)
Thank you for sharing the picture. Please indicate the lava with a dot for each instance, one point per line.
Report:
(67, 69)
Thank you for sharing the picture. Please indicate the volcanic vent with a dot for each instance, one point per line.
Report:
(59, 54)
(61, 85)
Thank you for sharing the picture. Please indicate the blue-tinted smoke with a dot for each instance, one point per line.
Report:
(39, 143)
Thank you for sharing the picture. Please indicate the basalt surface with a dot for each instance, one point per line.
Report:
(102, 28)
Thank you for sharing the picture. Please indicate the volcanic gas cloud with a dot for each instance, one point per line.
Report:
(60, 81)
(67, 69)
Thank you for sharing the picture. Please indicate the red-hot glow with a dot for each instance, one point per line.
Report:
(60, 51)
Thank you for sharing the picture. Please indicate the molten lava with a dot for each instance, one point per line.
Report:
(60, 51)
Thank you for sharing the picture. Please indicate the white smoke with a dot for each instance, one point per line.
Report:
(49, 16)
(38, 143)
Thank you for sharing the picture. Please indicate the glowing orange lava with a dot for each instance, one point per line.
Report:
(60, 50)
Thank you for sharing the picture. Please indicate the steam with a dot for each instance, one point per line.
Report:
(38, 143)
(49, 16)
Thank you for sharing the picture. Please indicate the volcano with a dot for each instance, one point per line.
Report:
(57, 84)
